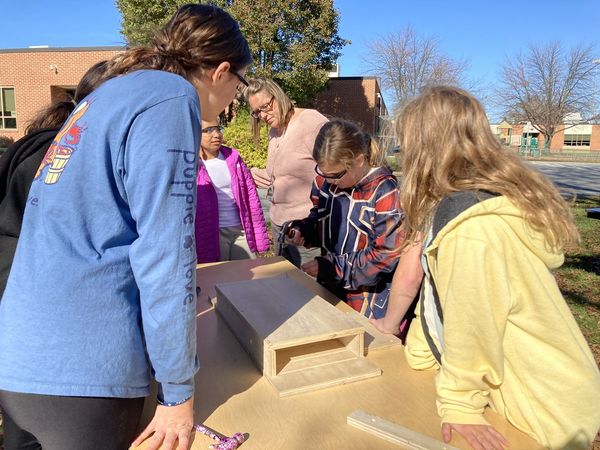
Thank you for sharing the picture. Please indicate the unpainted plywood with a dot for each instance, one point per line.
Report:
(392, 432)
(232, 396)
(211, 274)
(299, 341)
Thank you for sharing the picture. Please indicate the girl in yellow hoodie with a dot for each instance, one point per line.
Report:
(490, 314)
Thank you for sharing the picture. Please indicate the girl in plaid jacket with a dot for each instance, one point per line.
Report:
(356, 219)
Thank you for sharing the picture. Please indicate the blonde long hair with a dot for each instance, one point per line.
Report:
(284, 103)
(448, 146)
(343, 141)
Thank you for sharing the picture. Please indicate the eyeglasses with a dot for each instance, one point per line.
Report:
(244, 83)
(330, 176)
(264, 108)
(241, 78)
(213, 129)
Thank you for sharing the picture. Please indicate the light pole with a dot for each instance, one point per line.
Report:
(596, 92)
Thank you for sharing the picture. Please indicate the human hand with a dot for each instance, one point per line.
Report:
(383, 327)
(311, 268)
(479, 437)
(260, 177)
(170, 425)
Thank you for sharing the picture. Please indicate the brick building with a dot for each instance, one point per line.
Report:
(35, 77)
(357, 99)
(572, 136)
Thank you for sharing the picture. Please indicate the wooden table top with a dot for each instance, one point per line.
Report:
(232, 395)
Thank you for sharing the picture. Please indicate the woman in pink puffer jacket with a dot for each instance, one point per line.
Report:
(230, 223)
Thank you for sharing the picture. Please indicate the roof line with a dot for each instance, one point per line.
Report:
(62, 49)
(354, 78)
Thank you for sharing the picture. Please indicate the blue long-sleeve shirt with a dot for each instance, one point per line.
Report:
(101, 294)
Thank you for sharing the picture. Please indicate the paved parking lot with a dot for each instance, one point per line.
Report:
(581, 178)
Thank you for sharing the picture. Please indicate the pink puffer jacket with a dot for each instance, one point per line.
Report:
(248, 202)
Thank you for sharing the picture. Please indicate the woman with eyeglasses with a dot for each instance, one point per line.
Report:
(230, 224)
(356, 219)
(101, 296)
(290, 166)
(18, 167)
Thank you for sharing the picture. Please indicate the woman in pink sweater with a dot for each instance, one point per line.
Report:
(229, 220)
(290, 166)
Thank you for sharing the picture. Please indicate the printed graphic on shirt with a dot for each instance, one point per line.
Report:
(63, 146)
(184, 188)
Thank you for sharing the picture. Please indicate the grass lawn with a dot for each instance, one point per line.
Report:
(579, 277)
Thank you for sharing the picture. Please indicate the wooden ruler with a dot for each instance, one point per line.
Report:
(395, 433)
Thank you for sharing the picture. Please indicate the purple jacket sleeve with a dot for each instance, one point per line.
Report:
(256, 225)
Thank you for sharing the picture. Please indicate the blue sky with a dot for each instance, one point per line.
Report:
(483, 32)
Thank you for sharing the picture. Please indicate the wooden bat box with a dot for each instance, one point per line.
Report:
(297, 339)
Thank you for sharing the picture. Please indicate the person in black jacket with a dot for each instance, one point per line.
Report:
(18, 167)
(22, 159)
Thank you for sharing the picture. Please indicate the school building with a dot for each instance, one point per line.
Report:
(357, 99)
(32, 78)
(573, 135)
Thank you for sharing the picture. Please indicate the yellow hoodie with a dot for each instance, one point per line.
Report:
(508, 337)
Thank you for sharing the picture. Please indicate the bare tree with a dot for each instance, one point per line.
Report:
(406, 63)
(548, 84)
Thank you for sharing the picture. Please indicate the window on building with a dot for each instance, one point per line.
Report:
(8, 111)
(577, 140)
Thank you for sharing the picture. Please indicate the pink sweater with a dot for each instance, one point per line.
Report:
(291, 167)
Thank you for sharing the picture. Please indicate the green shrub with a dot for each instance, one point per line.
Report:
(238, 135)
(393, 163)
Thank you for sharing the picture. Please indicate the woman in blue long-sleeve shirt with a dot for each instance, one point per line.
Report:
(101, 294)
